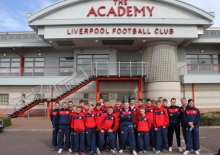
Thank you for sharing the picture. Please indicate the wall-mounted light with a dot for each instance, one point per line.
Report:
(202, 51)
(5, 54)
(96, 41)
(144, 40)
(39, 54)
(51, 41)
(81, 51)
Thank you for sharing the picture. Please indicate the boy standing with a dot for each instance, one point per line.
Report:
(143, 128)
(78, 124)
(104, 107)
(107, 126)
(55, 122)
(161, 121)
(98, 114)
(84, 110)
(91, 129)
(174, 119)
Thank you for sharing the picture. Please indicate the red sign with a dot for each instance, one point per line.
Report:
(120, 11)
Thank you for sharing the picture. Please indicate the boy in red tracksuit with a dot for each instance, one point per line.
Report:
(98, 114)
(83, 108)
(73, 112)
(107, 126)
(104, 107)
(143, 128)
(78, 124)
(91, 129)
(161, 121)
(165, 103)
(117, 109)
(149, 110)
(140, 103)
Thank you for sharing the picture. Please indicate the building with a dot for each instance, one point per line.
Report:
(130, 48)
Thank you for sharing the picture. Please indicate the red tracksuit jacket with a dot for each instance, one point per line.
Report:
(78, 121)
(108, 122)
(104, 109)
(149, 110)
(143, 124)
(90, 120)
(98, 115)
(117, 111)
(84, 109)
(160, 117)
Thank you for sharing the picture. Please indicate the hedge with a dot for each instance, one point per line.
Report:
(210, 119)
(6, 120)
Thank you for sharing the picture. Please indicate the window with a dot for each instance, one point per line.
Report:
(10, 65)
(3, 98)
(85, 60)
(34, 66)
(66, 66)
(202, 62)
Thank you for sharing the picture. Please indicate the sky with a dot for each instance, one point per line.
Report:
(13, 13)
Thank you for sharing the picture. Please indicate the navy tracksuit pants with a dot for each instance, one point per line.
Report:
(192, 138)
(55, 135)
(91, 139)
(184, 132)
(143, 140)
(72, 138)
(152, 136)
(127, 135)
(111, 138)
(79, 137)
(117, 137)
(161, 138)
(64, 130)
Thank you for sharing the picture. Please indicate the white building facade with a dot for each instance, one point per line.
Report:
(169, 44)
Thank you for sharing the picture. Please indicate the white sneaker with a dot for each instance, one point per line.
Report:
(120, 151)
(180, 149)
(170, 149)
(98, 151)
(113, 151)
(153, 149)
(134, 152)
(186, 152)
(60, 150)
(197, 152)
(70, 150)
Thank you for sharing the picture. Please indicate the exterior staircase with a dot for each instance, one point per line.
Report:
(87, 74)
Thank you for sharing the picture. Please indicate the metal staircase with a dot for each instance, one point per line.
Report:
(55, 93)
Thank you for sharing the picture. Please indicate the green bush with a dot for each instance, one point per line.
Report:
(6, 120)
(210, 119)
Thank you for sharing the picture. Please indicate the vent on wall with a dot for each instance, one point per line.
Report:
(65, 43)
(117, 42)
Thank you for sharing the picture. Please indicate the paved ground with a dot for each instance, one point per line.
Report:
(33, 137)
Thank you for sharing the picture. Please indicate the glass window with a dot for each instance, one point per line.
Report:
(5, 59)
(84, 56)
(84, 61)
(29, 59)
(25, 36)
(3, 98)
(206, 32)
(5, 64)
(15, 59)
(215, 61)
(205, 61)
(15, 64)
(192, 61)
(3, 36)
(215, 56)
(18, 36)
(100, 56)
(39, 59)
(39, 64)
(205, 56)
(32, 36)
(62, 64)
(213, 33)
(28, 64)
(191, 56)
(11, 36)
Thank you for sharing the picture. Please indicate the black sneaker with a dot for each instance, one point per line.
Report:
(53, 148)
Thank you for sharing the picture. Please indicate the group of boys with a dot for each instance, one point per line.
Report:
(96, 128)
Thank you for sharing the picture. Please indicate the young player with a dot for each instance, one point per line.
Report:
(153, 103)
(127, 128)
(78, 124)
(174, 119)
(192, 118)
(117, 109)
(143, 128)
(104, 107)
(83, 108)
(149, 110)
(165, 103)
(107, 126)
(160, 99)
(64, 127)
(101, 101)
(140, 103)
(98, 114)
(70, 105)
(73, 112)
(183, 123)
(161, 121)
(55, 122)
(91, 129)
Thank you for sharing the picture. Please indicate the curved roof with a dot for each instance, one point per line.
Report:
(64, 3)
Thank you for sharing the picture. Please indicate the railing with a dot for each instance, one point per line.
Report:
(96, 69)
(119, 69)
(203, 69)
(36, 71)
